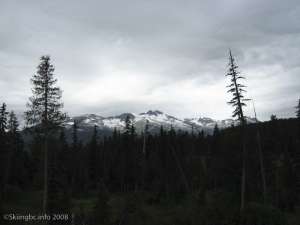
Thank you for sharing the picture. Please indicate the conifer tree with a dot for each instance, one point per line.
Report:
(128, 125)
(143, 155)
(58, 193)
(215, 152)
(93, 159)
(297, 156)
(3, 149)
(75, 136)
(298, 110)
(76, 156)
(44, 110)
(127, 157)
(132, 131)
(13, 123)
(238, 102)
(216, 132)
(64, 159)
(237, 90)
(298, 116)
(273, 117)
(16, 159)
(261, 158)
(3, 119)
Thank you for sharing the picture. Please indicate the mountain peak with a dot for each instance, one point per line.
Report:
(156, 119)
(152, 113)
(123, 116)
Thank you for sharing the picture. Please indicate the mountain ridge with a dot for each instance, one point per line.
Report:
(155, 118)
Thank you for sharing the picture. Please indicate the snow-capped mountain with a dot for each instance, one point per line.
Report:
(155, 119)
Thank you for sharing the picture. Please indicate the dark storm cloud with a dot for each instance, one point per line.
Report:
(171, 55)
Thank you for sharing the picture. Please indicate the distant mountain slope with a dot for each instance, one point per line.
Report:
(156, 119)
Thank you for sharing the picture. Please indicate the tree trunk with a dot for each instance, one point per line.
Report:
(7, 169)
(243, 183)
(244, 161)
(262, 168)
(143, 164)
(45, 194)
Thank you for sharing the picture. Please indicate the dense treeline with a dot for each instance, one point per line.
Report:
(243, 175)
(170, 165)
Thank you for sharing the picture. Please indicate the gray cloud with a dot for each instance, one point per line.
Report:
(117, 56)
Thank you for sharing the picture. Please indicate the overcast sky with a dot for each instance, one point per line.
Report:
(130, 56)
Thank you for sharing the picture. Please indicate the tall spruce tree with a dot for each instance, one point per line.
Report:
(44, 110)
(143, 156)
(75, 136)
(93, 160)
(3, 119)
(261, 157)
(297, 156)
(3, 150)
(16, 156)
(238, 102)
(13, 123)
(298, 116)
(75, 158)
(298, 109)
(128, 125)
(237, 90)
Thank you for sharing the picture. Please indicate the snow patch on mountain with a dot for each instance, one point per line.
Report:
(155, 119)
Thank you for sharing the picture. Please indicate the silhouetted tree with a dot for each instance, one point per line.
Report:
(58, 191)
(76, 159)
(216, 132)
(13, 123)
(3, 150)
(128, 125)
(215, 151)
(93, 160)
(75, 136)
(273, 117)
(44, 110)
(261, 158)
(3, 118)
(18, 174)
(65, 158)
(143, 155)
(298, 116)
(297, 155)
(298, 109)
(237, 90)
(238, 102)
